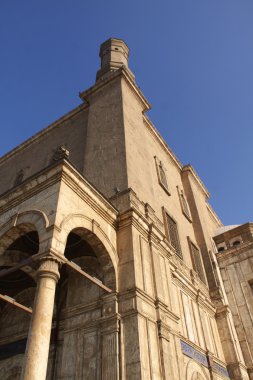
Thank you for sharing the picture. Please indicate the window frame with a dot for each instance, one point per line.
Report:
(179, 252)
(194, 265)
(159, 165)
(181, 195)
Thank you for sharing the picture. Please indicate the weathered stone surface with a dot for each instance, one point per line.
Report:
(116, 207)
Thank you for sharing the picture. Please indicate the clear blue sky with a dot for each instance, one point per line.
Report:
(193, 59)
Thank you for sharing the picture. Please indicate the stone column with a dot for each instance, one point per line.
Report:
(36, 357)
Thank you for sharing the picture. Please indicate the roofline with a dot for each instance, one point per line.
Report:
(162, 142)
(41, 133)
(122, 71)
(189, 168)
(240, 227)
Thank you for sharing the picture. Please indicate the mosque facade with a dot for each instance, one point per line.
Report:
(113, 264)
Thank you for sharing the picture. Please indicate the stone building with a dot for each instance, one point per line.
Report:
(109, 239)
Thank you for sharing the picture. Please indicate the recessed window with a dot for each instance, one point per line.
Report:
(173, 236)
(184, 204)
(221, 249)
(237, 242)
(161, 173)
(197, 260)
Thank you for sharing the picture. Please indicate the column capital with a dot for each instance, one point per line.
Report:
(49, 267)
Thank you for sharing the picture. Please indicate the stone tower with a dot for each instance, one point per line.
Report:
(109, 237)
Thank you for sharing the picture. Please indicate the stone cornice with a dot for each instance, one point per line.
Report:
(133, 217)
(121, 72)
(64, 172)
(42, 133)
(26, 190)
(200, 295)
(233, 232)
(189, 168)
(233, 254)
(214, 215)
(161, 141)
(75, 181)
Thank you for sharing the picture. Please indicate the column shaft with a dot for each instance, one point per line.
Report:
(36, 357)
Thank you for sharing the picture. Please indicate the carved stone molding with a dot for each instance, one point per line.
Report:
(49, 267)
(163, 331)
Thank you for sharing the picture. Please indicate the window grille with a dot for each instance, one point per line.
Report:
(163, 177)
(173, 235)
(161, 174)
(197, 262)
(185, 205)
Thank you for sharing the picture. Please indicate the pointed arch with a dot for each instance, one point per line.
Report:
(194, 371)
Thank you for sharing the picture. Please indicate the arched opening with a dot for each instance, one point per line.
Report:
(80, 306)
(19, 285)
(236, 243)
(81, 334)
(28, 243)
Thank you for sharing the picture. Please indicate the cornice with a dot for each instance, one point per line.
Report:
(133, 217)
(59, 172)
(189, 168)
(195, 291)
(121, 72)
(234, 253)
(214, 215)
(161, 141)
(74, 185)
(22, 192)
(234, 232)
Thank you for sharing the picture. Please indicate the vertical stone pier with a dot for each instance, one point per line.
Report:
(37, 349)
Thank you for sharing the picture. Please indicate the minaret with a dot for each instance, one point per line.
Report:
(114, 54)
(115, 119)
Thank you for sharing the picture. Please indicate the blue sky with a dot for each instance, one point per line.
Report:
(193, 60)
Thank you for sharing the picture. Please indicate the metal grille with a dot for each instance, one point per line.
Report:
(185, 206)
(197, 262)
(173, 235)
(163, 178)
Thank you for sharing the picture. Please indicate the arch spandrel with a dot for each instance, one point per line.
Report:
(195, 372)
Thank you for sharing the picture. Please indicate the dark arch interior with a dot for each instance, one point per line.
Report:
(76, 246)
(28, 243)
(14, 283)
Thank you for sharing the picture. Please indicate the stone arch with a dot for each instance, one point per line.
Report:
(21, 223)
(97, 332)
(95, 236)
(195, 371)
